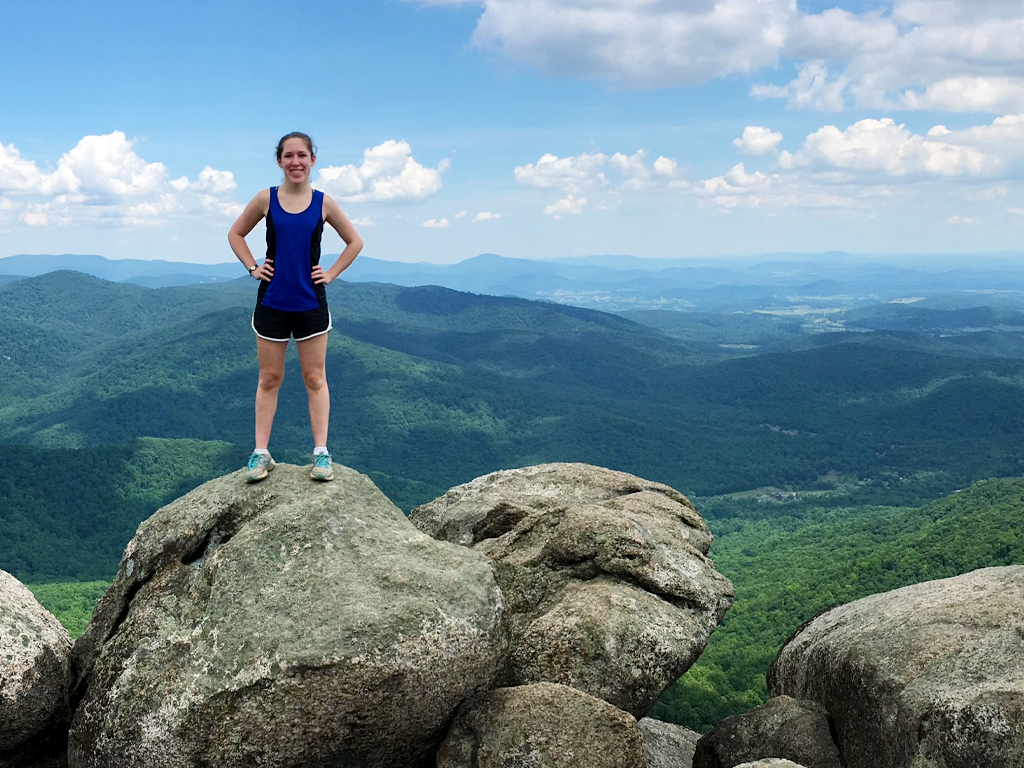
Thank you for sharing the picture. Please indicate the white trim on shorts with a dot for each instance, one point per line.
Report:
(330, 325)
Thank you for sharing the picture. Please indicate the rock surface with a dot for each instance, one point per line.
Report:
(606, 575)
(667, 745)
(287, 623)
(35, 678)
(771, 762)
(543, 725)
(930, 675)
(782, 728)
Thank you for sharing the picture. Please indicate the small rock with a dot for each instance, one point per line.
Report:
(782, 728)
(35, 679)
(541, 726)
(667, 745)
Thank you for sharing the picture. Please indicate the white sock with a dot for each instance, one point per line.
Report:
(320, 449)
(261, 450)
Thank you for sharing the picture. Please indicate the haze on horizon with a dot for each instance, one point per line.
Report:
(450, 128)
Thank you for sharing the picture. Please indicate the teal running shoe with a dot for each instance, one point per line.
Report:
(322, 469)
(259, 467)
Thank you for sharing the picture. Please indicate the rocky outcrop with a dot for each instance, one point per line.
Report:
(929, 676)
(782, 728)
(606, 576)
(667, 745)
(35, 678)
(771, 762)
(287, 623)
(541, 726)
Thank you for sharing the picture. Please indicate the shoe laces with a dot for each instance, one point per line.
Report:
(322, 460)
(254, 460)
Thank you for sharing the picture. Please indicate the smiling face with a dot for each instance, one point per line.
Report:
(296, 160)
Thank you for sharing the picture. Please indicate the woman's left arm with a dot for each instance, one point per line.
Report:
(334, 216)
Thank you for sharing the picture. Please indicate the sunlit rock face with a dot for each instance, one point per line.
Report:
(606, 576)
(287, 623)
(930, 675)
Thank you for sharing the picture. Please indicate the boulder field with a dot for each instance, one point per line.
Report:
(529, 618)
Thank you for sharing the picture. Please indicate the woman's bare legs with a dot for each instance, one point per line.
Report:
(270, 355)
(313, 359)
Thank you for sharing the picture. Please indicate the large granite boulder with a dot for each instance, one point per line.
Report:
(35, 679)
(288, 623)
(783, 727)
(667, 745)
(929, 676)
(606, 575)
(543, 725)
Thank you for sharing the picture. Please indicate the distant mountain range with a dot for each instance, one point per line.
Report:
(815, 284)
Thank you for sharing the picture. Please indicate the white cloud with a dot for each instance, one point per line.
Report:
(103, 180)
(567, 173)
(617, 173)
(960, 55)
(566, 206)
(812, 89)
(961, 220)
(877, 160)
(364, 221)
(214, 182)
(736, 188)
(885, 147)
(107, 166)
(388, 173)
(436, 223)
(486, 216)
(637, 42)
(757, 141)
(33, 219)
(461, 214)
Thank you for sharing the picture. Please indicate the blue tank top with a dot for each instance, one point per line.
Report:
(293, 244)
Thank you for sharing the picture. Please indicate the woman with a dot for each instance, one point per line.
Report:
(292, 299)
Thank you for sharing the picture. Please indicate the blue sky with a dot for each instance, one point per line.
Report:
(528, 128)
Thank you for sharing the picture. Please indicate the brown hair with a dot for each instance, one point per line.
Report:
(295, 135)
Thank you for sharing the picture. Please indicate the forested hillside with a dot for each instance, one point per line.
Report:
(115, 399)
(434, 387)
(791, 561)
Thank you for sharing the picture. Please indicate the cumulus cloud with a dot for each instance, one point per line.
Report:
(33, 219)
(461, 214)
(568, 205)
(873, 159)
(961, 55)
(588, 171)
(436, 224)
(883, 146)
(814, 88)
(102, 179)
(567, 173)
(486, 216)
(757, 141)
(736, 188)
(388, 173)
(644, 43)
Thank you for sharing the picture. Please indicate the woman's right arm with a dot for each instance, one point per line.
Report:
(251, 216)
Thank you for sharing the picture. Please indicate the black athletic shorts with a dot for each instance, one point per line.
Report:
(277, 325)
